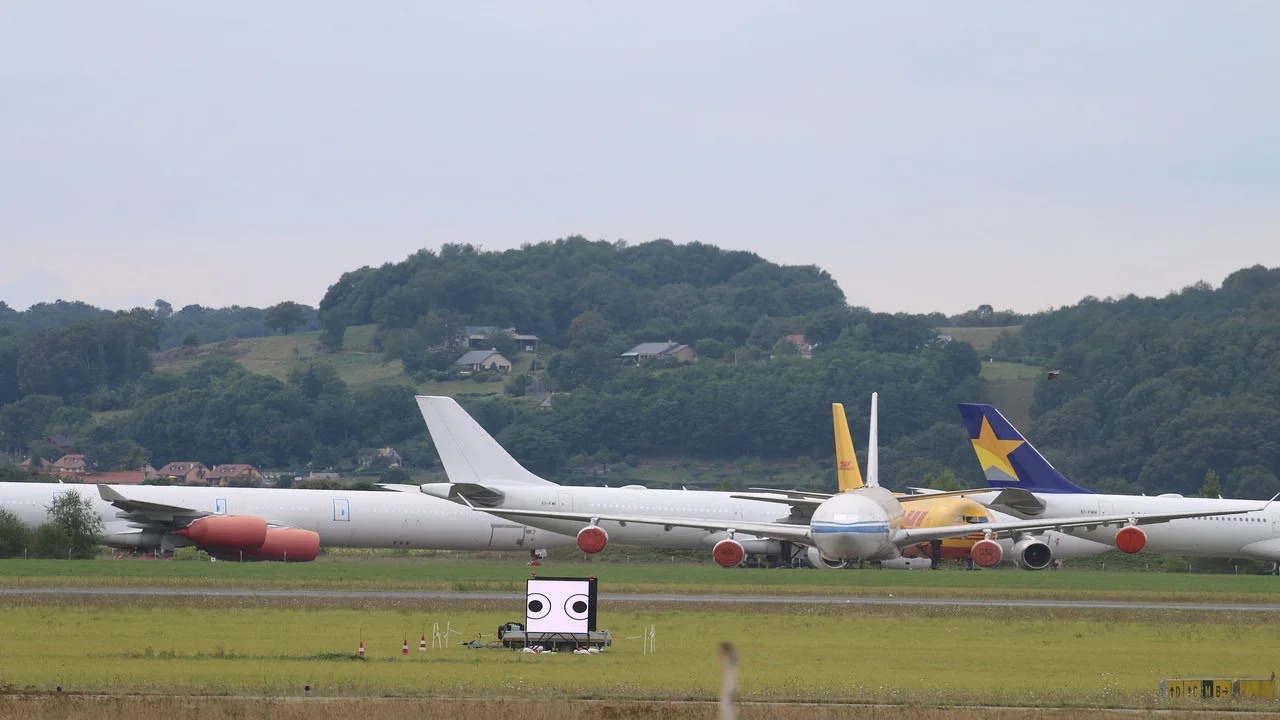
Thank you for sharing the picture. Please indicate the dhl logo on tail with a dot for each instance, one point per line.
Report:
(847, 475)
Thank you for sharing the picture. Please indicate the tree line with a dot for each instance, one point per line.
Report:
(1153, 393)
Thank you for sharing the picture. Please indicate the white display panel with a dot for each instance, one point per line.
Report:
(560, 605)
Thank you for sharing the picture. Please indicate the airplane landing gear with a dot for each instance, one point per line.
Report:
(935, 554)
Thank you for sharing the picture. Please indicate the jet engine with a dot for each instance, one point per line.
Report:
(1032, 554)
(226, 531)
(287, 545)
(592, 539)
(1131, 539)
(986, 553)
(728, 553)
(134, 539)
(816, 560)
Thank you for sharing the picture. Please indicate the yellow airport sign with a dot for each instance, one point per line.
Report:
(1218, 688)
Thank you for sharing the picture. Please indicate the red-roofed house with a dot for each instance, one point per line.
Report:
(237, 474)
(806, 350)
(69, 464)
(187, 473)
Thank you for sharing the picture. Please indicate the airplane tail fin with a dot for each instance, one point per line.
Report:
(847, 475)
(469, 454)
(1007, 458)
(873, 444)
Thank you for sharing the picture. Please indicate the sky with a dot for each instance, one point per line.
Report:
(932, 156)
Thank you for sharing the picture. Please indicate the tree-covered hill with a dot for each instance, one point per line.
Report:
(658, 289)
(1155, 392)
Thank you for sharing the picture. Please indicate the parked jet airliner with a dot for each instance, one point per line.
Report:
(1028, 486)
(939, 509)
(862, 524)
(269, 524)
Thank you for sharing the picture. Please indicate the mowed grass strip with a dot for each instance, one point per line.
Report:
(659, 578)
(790, 653)
(227, 708)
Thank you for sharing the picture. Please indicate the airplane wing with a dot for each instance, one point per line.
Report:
(792, 493)
(776, 531)
(814, 499)
(911, 536)
(935, 494)
(144, 513)
(794, 501)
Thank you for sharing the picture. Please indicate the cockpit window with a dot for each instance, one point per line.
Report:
(974, 519)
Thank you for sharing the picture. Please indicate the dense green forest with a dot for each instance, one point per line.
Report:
(1152, 392)
(207, 325)
(1155, 392)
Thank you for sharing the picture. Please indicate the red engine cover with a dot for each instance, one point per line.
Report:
(287, 545)
(241, 532)
(592, 539)
(728, 553)
(1131, 539)
(986, 553)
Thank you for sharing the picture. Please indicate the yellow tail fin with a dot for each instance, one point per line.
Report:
(847, 475)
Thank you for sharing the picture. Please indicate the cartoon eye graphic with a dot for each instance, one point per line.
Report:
(538, 606)
(576, 607)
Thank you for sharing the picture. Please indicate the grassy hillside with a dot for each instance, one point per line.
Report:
(357, 363)
(979, 337)
(276, 355)
(1011, 387)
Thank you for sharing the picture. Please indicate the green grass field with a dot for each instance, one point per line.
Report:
(357, 364)
(980, 338)
(420, 573)
(827, 654)
(276, 355)
(165, 707)
(1011, 387)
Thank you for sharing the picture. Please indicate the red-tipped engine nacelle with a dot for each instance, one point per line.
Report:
(287, 545)
(239, 532)
(592, 539)
(986, 553)
(728, 553)
(1131, 539)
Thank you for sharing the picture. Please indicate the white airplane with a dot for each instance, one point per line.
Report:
(948, 509)
(268, 524)
(861, 524)
(1027, 486)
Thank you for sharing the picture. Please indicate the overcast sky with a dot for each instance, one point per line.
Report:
(931, 156)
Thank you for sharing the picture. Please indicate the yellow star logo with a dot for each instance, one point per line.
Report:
(994, 452)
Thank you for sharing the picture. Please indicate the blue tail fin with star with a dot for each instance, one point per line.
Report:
(1007, 459)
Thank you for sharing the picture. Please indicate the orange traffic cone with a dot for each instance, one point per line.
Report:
(422, 644)
(405, 650)
(360, 652)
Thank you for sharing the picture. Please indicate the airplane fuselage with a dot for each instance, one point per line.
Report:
(1247, 535)
(358, 519)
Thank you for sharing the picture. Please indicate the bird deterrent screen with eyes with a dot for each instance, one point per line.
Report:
(560, 605)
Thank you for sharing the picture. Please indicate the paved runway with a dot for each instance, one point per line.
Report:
(690, 599)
